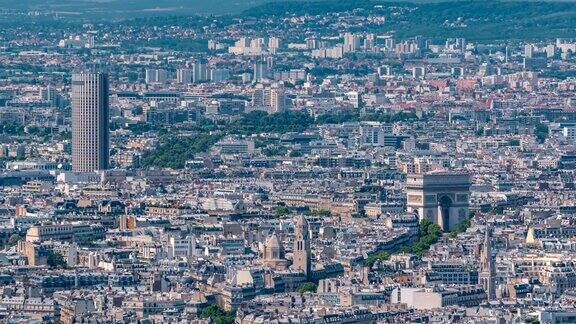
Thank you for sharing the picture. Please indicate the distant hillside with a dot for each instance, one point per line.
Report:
(481, 20)
(139, 8)
(132, 8)
(474, 19)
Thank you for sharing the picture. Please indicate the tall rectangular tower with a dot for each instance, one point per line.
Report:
(260, 71)
(184, 76)
(90, 122)
(199, 71)
(302, 255)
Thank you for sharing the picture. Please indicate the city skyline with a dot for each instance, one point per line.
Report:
(288, 162)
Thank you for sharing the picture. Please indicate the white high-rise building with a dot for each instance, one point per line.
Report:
(311, 43)
(274, 43)
(270, 63)
(260, 72)
(184, 76)
(528, 51)
(156, 76)
(369, 42)
(259, 98)
(389, 43)
(243, 42)
(277, 100)
(569, 131)
(199, 71)
(182, 247)
(162, 76)
(418, 72)
(257, 43)
(150, 76)
(219, 75)
(351, 42)
(550, 50)
(384, 70)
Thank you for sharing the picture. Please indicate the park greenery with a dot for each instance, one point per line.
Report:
(13, 239)
(355, 116)
(55, 260)
(275, 150)
(514, 142)
(320, 213)
(460, 227)
(139, 128)
(541, 132)
(257, 122)
(295, 154)
(307, 287)
(429, 233)
(498, 210)
(174, 151)
(282, 211)
(381, 256)
(12, 129)
(218, 315)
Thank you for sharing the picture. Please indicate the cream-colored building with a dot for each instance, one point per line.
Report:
(439, 196)
(273, 253)
(437, 297)
(65, 232)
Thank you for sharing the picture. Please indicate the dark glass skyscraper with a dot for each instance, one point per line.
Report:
(90, 122)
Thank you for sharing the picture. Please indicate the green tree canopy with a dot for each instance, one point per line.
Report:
(282, 211)
(218, 315)
(174, 152)
(56, 260)
(307, 287)
(14, 238)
